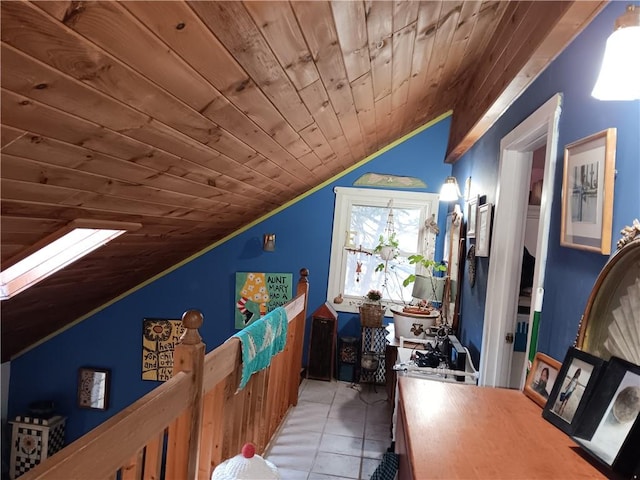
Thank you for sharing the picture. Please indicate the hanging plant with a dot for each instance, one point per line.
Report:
(386, 249)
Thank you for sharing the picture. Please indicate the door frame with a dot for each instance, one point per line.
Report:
(507, 239)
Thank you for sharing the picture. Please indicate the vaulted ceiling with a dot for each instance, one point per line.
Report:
(195, 118)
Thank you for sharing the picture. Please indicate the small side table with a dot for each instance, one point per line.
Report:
(33, 440)
(374, 340)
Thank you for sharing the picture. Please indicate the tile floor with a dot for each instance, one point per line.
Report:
(338, 430)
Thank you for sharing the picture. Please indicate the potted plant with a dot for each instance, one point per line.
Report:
(414, 321)
(387, 249)
(371, 310)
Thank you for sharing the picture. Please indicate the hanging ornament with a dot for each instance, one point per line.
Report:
(358, 270)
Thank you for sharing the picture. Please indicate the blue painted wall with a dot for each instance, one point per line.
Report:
(112, 337)
(570, 273)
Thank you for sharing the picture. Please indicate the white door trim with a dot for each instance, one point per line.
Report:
(507, 239)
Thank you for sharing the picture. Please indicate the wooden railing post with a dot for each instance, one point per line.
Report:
(184, 434)
(302, 288)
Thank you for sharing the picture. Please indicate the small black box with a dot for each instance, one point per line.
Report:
(457, 357)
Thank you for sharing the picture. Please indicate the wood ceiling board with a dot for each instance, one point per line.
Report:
(402, 48)
(280, 29)
(490, 13)
(351, 28)
(22, 169)
(427, 23)
(180, 28)
(54, 152)
(379, 32)
(447, 24)
(317, 100)
(362, 90)
(316, 21)
(9, 134)
(253, 53)
(314, 137)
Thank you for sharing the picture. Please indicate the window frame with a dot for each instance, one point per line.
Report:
(346, 197)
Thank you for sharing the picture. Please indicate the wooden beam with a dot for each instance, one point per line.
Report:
(515, 66)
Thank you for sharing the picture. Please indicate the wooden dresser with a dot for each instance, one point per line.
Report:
(449, 430)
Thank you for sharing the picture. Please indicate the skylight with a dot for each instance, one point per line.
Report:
(53, 257)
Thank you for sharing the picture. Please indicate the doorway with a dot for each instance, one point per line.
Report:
(516, 160)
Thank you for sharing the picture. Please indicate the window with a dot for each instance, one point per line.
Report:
(360, 218)
(59, 250)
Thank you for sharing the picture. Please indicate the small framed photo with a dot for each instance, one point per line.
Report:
(610, 428)
(483, 234)
(541, 378)
(472, 211)
(93, 388)
(572, 389)
(587, 192)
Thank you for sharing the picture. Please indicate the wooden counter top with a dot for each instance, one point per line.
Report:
(450, 430)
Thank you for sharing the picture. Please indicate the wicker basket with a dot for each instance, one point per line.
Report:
(371, 315)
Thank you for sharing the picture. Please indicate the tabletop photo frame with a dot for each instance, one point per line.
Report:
(571, 391)
(541, 378)
(610, 427)
(587, 192)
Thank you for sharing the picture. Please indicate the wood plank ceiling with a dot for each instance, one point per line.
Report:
(196, 118)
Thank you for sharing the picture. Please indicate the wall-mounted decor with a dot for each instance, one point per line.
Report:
(159, 339)
(587, 192)
(572, 389)
(541, 378)
(483, 235)
(472, 209)
(93, 388)
(259, 293)
(610, 426)
(388, 181)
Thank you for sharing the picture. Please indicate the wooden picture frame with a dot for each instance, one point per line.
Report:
(472, 212)
(483, 234)
(610, 427)
(572, 389)
(537, 387)
(587, 192)
(93, 388)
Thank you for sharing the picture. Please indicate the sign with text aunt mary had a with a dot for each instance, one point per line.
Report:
(259, 293)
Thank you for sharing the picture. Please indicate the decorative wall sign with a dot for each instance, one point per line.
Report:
(259, 293)
(159, 339)
(587, 192)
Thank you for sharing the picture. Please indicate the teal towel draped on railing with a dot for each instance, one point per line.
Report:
(261, 340)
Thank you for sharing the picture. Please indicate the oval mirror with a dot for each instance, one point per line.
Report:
(610, 324)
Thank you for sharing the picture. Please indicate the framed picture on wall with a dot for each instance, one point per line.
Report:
(587, 192)
(483, 235)
(93, 388)
(472, 211)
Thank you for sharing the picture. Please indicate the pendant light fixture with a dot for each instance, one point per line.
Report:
(450, 190)
(619, 77)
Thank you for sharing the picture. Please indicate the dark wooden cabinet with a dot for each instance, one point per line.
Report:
(322, 343)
